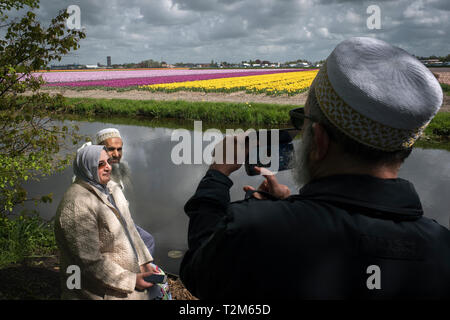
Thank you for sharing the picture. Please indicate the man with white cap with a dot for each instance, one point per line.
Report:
(355, 230)
(112, 140)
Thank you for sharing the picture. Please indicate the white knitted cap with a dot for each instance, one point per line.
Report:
(107, 133)
(376, 93)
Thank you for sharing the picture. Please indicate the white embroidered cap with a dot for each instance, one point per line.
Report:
(107, 133)
(377, 94)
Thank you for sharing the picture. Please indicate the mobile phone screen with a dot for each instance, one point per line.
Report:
(285, 151)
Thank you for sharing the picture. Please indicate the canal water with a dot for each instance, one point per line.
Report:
(160, 188)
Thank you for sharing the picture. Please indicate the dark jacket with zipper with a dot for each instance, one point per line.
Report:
(343, 236)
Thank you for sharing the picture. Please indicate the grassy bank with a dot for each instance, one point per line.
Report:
(257, 114)
(216, 112)
(437, 134)
(439, 127)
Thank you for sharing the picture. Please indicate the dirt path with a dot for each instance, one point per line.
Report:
(239, 96)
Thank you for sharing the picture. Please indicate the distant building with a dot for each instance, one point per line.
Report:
(429, 61)
(299, 65)
(434, 63)
(91, 66)
(67, 67)
(108, 61)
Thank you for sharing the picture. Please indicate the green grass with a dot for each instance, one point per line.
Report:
(425, 143)
(439, 126)
(23, 237)
(214, 112)
(211, 112)
(437, 134)
(168, 123)
(445, 88)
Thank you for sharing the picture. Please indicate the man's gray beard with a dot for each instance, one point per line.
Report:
(302, 170)
(121, 173)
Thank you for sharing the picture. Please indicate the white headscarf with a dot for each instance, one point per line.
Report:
(85, 165)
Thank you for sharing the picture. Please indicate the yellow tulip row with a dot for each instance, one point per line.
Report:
(279, 83)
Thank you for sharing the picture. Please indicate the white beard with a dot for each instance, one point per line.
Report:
(302, 169)
(121, 174)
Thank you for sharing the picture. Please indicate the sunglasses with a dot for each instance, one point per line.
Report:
(102, 163)
(298, 117)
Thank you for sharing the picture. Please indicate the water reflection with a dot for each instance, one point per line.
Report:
(429, 171)
(160, 189)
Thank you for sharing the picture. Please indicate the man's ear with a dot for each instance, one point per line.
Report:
(321, 141)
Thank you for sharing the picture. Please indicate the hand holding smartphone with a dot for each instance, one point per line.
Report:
(156, 278)
(285, 151)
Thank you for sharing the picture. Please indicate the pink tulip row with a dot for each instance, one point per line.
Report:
(158, 76)
(53, 77)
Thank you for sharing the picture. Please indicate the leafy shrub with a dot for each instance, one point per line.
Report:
(25, 236)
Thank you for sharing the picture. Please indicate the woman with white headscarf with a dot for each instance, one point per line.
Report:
(94, 231)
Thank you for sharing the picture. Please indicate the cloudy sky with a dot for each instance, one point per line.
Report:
(236, 30)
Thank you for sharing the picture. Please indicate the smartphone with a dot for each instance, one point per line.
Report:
(156, 278)
(285, 150)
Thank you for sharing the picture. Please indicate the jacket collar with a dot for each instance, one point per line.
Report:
(385, 198)
(111, 185)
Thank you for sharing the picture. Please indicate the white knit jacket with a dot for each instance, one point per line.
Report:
(90, 234)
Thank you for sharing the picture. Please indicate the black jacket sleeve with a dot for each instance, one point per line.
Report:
(230, 243)
(207, 207)
(203, 271)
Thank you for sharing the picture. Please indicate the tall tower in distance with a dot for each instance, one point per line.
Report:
(108, 61)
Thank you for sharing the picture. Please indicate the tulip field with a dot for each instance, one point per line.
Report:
(267, 81)
(275, 83)
(125, 78)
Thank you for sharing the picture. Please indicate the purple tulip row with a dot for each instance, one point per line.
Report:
(69, 76)
(138, 81)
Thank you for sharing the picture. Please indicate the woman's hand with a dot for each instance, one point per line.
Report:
(146, 270)
(141, 284)
(269, 185)
(147, 267)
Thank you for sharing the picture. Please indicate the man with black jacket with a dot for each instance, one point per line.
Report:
(355, 230)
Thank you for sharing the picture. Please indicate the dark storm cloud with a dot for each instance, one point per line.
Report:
(235, 30)
(441, 5)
